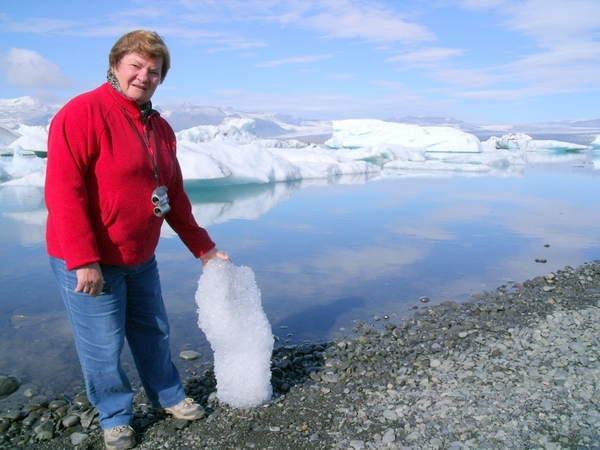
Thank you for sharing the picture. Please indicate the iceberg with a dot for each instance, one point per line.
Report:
(30, 140)
(232, 154)
(524, 142)
(22, 169)
(355, 133)
(401, 148)
(7, 137)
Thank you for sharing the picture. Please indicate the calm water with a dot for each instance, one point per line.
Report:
(325, 254)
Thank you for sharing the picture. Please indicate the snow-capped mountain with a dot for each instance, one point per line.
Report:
(29, 111)
(25, 111)
(184, 116)
(586, 127)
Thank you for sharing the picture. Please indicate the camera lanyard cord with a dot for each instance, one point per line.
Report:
(146, 144)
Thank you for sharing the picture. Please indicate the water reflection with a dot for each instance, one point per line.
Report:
(326, 253)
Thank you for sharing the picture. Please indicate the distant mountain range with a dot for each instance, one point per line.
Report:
(28, 111)
(588, 126)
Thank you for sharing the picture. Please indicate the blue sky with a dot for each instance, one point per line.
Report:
(482, 61)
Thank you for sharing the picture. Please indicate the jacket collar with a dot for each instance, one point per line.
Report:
(131, 106)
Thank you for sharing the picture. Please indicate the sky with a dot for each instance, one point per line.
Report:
(481, 61)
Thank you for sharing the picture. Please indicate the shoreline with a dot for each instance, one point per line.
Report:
(516, 368)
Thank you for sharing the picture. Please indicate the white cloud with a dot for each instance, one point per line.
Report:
(294, 60)
(35, 25)
(564, 69)
(481, 4)
(342, 76)
(27, 69)
(559, 54)
(364, 20)
(555, 22)
(426, 56)
(337, 19)
(567, 68)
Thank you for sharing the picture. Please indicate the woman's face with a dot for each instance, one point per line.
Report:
(138, 76)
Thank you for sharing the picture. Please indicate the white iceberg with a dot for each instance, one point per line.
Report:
(22, 169)
(231, 153)
(399, 148)
(7, 137)
(520, 141)
(355, 133)
(30, 141)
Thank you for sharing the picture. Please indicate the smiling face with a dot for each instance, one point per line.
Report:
(138, 76)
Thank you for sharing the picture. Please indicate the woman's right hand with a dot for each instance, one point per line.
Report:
(89, 279)
(214, 253)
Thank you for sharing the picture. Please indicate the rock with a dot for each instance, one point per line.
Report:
(29, 393)
(44, 426)
(8, 385)
(55, 404)
(88, 417)
(70, 420)
(77, 438)
(44, 435)
(81, 400)
(390, 415)
(389, 436)
(189, 355)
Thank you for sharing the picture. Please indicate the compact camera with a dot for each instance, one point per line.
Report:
(160, 201)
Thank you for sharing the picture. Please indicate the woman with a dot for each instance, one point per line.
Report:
(112, 179)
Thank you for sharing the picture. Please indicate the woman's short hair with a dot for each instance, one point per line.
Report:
(146, 43)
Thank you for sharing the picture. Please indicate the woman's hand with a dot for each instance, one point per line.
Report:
(89, 279)
(214, 253)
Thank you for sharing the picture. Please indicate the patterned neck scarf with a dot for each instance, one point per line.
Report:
(146, 108)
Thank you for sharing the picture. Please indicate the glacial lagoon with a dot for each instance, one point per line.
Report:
(326, 254)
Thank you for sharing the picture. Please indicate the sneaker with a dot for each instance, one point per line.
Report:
(187, 409)
(119, 438)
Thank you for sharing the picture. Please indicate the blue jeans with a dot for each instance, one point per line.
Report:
(130, 306)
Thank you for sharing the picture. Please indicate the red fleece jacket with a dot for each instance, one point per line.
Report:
(100, 178)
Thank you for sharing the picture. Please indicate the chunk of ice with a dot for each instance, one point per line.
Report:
(231, 316)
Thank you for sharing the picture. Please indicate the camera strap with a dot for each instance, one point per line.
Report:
(145, 140)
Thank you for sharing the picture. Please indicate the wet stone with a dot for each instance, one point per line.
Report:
(189, 355)
(11, 414)
(8, 385)
(44, 427)
(81, 400)
(70, 421)
(38, 402)
(87, 417)
(56, 404)
(31, 418)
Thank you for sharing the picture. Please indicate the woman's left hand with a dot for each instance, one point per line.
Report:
(214, 253)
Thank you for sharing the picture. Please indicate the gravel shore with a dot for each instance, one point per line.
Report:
(517, 368)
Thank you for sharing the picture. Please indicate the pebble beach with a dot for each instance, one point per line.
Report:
(515, 368)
